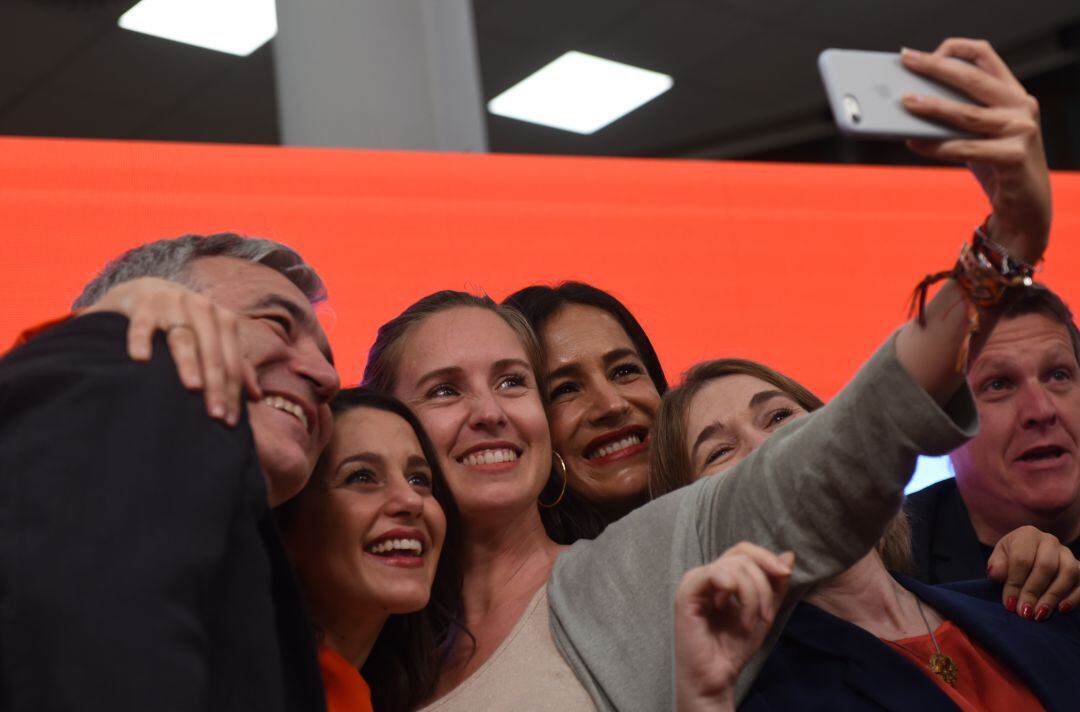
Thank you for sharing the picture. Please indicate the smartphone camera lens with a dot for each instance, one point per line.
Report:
(851, 109)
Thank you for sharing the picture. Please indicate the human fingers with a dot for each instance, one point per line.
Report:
(980, 53)
(755, 591)
(971, 80)
(1064, 582)
(205, 327)
(1072, 599)
(1020, 547)
(251, 383)
(985, 121)
(998, 151)
(233, 362)
(773, 564)
(170, 315)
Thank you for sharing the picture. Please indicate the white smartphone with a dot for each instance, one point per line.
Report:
(864, 90)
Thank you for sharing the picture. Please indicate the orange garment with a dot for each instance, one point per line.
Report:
(982, 683)
(346, 690)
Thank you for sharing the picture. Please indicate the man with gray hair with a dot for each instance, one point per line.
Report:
(139, 563)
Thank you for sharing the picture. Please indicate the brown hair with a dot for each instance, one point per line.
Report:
(669, 461)
(574, 518)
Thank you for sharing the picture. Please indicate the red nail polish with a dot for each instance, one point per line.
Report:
(1025, 611)
(1010, 603)
(1065, 607)
(1042, 613)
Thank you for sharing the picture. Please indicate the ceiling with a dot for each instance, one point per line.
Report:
(745, 74)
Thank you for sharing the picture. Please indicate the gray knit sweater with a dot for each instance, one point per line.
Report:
(824, 486)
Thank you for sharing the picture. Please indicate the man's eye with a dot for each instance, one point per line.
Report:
(281, 321)
(1061, 375)
(996, 384)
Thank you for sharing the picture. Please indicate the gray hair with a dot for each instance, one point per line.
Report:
(172, 259)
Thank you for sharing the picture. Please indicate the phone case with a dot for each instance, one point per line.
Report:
(864, 90)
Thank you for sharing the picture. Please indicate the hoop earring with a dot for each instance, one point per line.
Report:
(562, 493)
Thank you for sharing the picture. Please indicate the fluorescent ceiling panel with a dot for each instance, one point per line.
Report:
(579, 92)
(234, 26)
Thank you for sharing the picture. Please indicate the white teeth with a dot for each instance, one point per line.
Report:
(605, 450)
(288, 406)
(488, 457)
(410, 545)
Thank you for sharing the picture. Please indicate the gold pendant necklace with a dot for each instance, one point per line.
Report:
(940, 664)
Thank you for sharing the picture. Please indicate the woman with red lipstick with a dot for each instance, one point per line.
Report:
(365, 536)
(890, 628)
(604, 383)
(591, 625)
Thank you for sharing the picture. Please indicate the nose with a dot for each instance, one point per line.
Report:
(313, 365)
(486, 412)
(403, 500)
(1035, 407)
(608, 405)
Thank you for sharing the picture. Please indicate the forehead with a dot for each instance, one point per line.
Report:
(460, 337)
(236, 283)
(724, 398)
(577, 332)
(1025, 337)
(372, 430)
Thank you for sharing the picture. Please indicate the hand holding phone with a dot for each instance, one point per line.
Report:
(865, 91)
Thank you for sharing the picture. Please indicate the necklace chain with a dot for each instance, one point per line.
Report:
(940, 664)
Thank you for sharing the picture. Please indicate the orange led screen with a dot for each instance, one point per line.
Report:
(806, 268)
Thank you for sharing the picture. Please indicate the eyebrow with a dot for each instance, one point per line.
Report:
(608, 358)
(454, 371)
(763, 396)
(366, 457)
(301, 316)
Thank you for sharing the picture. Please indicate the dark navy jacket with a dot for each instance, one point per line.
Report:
(824, 663)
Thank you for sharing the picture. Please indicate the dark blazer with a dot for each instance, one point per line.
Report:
(140, 568)
(944, 545)
(824, 663)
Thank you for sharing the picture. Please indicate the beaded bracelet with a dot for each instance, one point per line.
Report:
(985, 272)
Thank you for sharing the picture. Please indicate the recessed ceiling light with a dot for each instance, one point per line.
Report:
(579, 92)
(235, 26)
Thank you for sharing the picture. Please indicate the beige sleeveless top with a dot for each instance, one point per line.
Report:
(525, 672)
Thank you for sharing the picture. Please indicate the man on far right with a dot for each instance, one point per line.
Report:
(1024, 465)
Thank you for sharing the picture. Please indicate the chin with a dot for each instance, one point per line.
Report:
(405, 601)
(286, 473)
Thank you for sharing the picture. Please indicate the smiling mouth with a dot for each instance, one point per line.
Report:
(489, 457)
(396, 547)
(288, 406)
(615, 447)
(1038, 454)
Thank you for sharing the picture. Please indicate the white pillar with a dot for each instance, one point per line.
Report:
(394, 74)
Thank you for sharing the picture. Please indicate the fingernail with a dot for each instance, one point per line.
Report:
(217, 411)
(140, 353)
(911, 98)
(909, 52)
(1025, 611)
(1065, 607)
(1010, 603)
(1042, 613)
(233, 418)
